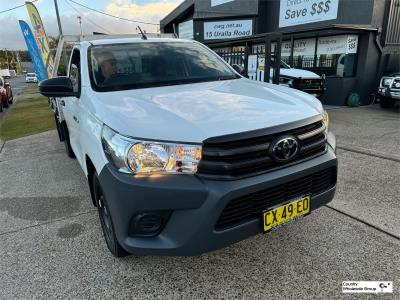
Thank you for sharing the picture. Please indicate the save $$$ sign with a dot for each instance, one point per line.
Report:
(297, 12)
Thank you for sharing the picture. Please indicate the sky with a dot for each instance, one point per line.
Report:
(144, 10)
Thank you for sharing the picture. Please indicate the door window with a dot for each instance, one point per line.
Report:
(74, 72)
(74, 77)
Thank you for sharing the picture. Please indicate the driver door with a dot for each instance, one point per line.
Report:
(72, 104)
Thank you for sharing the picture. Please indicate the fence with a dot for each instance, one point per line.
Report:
(239, 56)
(330, 66)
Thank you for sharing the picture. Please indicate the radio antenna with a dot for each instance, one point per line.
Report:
(144, 37)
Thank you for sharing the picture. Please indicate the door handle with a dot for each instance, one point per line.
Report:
(76, 119)
(62, 102)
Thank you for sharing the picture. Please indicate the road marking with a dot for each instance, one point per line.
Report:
(370, 153)
(364, 222)
(49, 222)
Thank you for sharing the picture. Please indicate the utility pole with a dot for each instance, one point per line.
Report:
(18, 61)
(60, 32)
(8, 64)
(80, 23)
(58, 18)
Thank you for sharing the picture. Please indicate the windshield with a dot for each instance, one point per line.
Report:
(31, 75)
(283, 65)
(149, 64)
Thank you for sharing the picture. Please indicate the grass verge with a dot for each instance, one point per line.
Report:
(29, 116)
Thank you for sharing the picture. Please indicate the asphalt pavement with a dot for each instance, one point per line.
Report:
(17, 85)
(51, 245)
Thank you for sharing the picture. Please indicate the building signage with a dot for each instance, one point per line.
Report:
(285, 48)
(186, 30)
(303, 47)
(339, 44)
(297, 12)
(227, 29)
(219, 2)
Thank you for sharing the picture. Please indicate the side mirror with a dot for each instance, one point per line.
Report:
(57, 87)
(240, 70)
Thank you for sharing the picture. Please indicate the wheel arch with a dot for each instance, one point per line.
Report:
(90, 171)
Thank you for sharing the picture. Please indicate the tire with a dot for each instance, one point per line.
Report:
(387, 102)
(11, 97)
(106, 222)
(67, 143)
(59, 129)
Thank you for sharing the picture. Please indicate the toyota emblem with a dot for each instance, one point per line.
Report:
(284, 149)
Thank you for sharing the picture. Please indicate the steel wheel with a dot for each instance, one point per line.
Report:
(106, 221)
(106, 224)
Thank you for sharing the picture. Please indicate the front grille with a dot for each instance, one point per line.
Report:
(250, 207)
(308, 85)
(233, 159)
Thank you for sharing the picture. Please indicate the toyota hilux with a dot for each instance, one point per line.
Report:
(181, 153)
(389, 90)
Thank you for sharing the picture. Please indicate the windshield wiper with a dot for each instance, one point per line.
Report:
(228, 77)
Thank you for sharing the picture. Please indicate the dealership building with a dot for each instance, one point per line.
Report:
(353, 43)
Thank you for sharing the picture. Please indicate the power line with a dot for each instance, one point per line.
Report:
(4, 11)
(87, 18)
(107, 14)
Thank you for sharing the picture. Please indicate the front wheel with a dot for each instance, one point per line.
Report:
(106, 220)
(10, 96)
(67, 143)
(387, 102)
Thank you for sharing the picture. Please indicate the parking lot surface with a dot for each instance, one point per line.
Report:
(17, 86)
(51, 244)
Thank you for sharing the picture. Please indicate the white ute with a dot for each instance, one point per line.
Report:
(182, 154)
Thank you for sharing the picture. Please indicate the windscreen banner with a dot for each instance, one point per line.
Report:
(41, 38)
(33, 50)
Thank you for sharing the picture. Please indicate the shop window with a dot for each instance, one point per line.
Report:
(185, 30)
(334, 56)
(303, 53)
(337, 55)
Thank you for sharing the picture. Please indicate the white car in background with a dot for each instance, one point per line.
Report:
(31, 77)
(300, 79)
(389, 90)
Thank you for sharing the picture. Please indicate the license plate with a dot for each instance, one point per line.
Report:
(286, 213)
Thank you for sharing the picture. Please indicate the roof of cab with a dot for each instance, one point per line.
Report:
(106, 41)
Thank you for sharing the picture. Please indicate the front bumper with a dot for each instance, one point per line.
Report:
(196, 204)
(389, 93)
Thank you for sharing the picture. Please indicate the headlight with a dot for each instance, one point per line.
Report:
(325, 120)
(387, 82)
(287, 81)
(146, 157)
